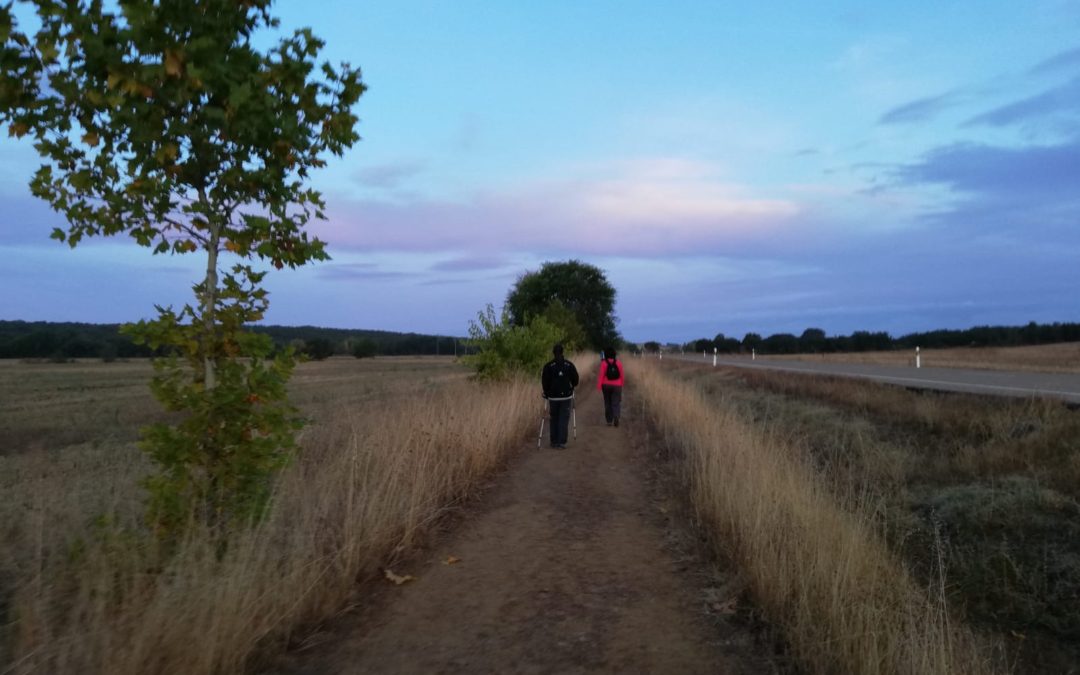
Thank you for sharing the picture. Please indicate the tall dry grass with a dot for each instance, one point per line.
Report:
(818, 571)
(366, 486)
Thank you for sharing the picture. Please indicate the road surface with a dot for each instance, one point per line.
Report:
(1064, 386)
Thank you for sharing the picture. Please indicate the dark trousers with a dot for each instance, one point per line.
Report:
(612, 402)
(560, 420)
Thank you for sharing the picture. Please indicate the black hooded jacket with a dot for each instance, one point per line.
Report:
(559, 378)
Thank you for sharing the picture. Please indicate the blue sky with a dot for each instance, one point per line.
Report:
(733, 167)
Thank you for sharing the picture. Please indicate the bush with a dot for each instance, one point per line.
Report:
(504, 349)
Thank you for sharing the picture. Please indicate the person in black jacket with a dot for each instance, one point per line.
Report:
(558, 379)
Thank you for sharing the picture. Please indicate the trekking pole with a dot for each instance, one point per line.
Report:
(540, 435)
(573, 414)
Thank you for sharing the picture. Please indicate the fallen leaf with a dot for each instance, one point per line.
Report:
(451, 560)
(397, 578)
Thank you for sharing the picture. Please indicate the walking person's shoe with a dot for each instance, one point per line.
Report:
(616, 421)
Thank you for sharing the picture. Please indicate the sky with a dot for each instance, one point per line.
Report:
(733, 167)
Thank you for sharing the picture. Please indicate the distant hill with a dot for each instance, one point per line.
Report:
(66, 340)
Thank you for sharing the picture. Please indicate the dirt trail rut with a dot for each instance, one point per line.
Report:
(564, 568)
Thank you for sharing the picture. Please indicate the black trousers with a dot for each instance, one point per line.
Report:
(560, 420)
(612, 402)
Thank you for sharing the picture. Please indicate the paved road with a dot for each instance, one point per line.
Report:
(1065, 386)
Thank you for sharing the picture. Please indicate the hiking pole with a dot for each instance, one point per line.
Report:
(573, 413)
(540, 435)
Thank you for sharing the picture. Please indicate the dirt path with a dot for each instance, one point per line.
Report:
(566, 567)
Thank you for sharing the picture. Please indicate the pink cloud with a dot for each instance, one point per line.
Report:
(644, 208)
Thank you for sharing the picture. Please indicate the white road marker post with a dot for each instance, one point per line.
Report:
(714, 357)
(918, 358)
(753, 355)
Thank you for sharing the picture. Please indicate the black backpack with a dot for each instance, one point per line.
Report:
(612, 372)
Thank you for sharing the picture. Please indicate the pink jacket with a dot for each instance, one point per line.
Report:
(602, 379)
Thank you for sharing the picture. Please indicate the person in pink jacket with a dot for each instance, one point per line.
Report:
(610, 382)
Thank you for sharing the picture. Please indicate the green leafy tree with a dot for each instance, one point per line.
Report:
(572, 335)
(504, 349)
(652, 346)
(162, 121)
(580, 287)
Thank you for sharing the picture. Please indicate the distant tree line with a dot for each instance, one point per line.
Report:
(62, 341)
(815, 341)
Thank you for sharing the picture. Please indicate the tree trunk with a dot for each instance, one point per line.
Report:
(209, 301)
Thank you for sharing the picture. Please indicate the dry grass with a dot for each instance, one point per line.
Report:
(987, 488)
(1055, 358)
(384, 461)
(819, 571)
(947, 437)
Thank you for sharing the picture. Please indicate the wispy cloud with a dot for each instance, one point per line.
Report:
(359, 272)
(1028, 193)
(388, 175)
(470, 264)
(641, 208)
(1053, 103)
(1040, 170)
(923, 109)
(1066, 60)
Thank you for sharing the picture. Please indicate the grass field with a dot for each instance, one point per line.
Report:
(392, 443)
(1056, 358)
(975, 499)
(881, 530)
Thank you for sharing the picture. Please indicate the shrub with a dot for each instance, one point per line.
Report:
(504, 349)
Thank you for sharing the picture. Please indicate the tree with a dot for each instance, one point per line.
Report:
(703, 345)
(164, 123)
(572, 335)
(580, 287)
(504, 349)
(751, 341)
(781, 343)
(812, 340)
(652, 346)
